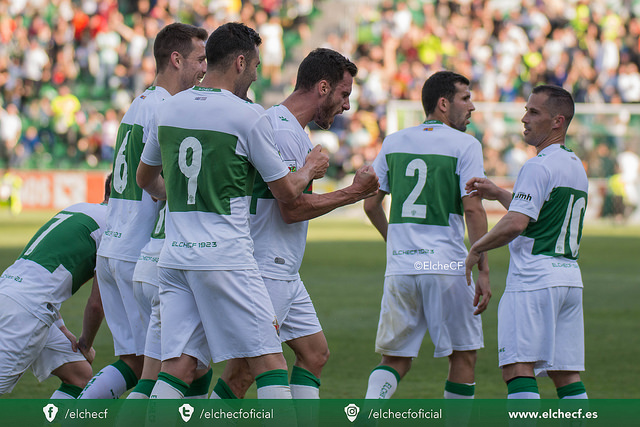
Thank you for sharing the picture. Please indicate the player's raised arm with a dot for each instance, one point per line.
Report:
(289, 187)
(484, 188)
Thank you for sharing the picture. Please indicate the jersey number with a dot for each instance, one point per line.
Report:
(59, 218)
(190, 171)
(120, 168)
(409, 208)
(571, 225)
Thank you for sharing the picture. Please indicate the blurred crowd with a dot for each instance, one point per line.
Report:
(70, 68)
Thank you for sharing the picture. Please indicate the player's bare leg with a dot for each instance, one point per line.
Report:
(521, 381)
(174, 378)
(312, 353)
(461, 379)
(74, 376)
(568, 384)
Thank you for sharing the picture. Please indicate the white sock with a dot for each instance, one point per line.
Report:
(382, 384)
(274, 392)
(163, 390)
(304, 391)
(577, 396)
(136, 395)
(523, 395)
(61, 395)
(106, 384)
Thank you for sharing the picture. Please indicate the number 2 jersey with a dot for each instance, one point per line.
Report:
(551, 189)
(58, 259)
(425, 168)
(211, 144)
(131, 212)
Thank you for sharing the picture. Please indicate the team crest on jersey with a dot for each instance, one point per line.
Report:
(143, 96)
(276, 325)
(292, 165)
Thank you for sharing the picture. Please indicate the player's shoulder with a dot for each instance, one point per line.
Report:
(96, 211)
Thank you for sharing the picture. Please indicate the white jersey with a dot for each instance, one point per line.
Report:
(278, 246)
(58, 259)
(425, 169)
(211, 143)
(551, 189)
(147, 266)
(131, 211)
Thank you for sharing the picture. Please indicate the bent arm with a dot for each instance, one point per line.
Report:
(150, 180)
(93, 315)
(484, 188)
(508, 228)
(374, 210)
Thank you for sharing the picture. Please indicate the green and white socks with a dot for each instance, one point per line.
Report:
(459, 390)
(66, 391)
(383, 382)
(110, 383)
(304, 385)
(273, 384)
(572, 391)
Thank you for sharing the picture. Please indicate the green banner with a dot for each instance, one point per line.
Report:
(325, 412)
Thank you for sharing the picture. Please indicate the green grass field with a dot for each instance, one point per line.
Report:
(343, 271)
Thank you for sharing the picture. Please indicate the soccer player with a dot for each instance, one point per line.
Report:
(56, 262)
(212, 143)
(425, 168)
(540, 324)
(181, 63)
(279, 230)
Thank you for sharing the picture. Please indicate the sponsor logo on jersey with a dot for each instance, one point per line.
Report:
(279, 260)
(292, 165)
(200, 98)
(522, 196)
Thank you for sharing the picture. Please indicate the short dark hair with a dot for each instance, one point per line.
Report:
(440, 85)
(176, 37)
(107, 186)
(323, 64)
(229, 41)
(559, 102)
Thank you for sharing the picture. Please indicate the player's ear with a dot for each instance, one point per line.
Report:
(323, 88)
(176, 59)
(559, 121)
(241, 63)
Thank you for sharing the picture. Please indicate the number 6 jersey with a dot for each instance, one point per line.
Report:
(425, 169)
(551, 189)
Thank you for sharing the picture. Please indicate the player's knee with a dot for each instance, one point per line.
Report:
(76, 373)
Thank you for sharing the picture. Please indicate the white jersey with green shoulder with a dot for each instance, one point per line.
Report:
(551, 189)
(131, 211)
(278, 246)
(212, 143)
(425, 169)
(58, 259)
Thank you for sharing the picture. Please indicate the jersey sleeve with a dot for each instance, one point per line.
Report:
(262, 152)
(381, 168)
(151, 152)
(471, 165)
(531, 190)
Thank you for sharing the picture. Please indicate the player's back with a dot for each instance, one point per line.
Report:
(554, 186)
(58, 259)
(131, 211)
(425, 169)
(207, 139)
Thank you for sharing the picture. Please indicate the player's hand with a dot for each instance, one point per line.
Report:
(483, 293)
(482, 187)
(318, 161)
(366, 182)
(87, 350)
(72, 338)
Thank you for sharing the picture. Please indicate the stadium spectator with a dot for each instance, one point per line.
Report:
(540, 322)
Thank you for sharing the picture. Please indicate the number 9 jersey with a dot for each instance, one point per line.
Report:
(425, 168)
(551, 189)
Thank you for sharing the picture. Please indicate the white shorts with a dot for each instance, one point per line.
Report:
(544, 326)
(149, 305)
(56, 352)
(293, 308)
(438, 303)
(228, 311)
(22, 338)
(121, 311)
